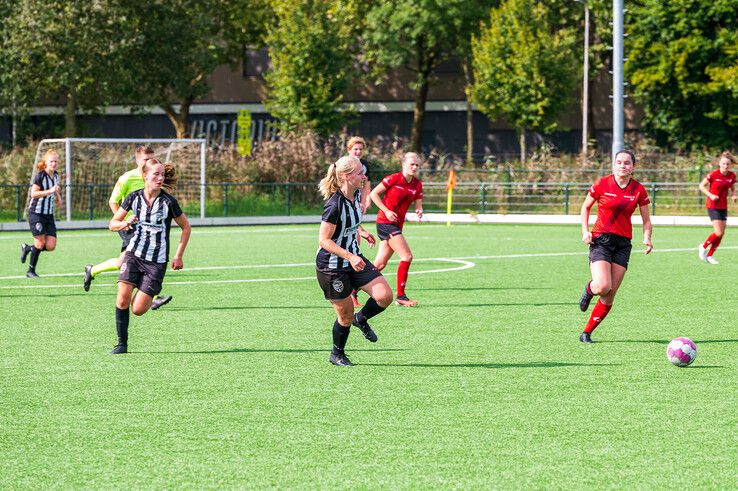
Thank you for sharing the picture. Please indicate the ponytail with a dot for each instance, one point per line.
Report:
(331, 182)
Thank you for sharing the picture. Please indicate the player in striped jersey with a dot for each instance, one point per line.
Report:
(716, 186)
(127, 183)
(617, 197)
(400, 190)
(339, 265)
(355, 147)
(145, 259)
(44, 192)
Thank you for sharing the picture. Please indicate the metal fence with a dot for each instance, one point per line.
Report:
(231, 199)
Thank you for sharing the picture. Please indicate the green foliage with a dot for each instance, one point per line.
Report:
(525, 66)
(683, 63)
(311, 51)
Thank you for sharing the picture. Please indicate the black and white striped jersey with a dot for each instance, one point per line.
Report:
(346, 216)
(44, 205)
(150, 240)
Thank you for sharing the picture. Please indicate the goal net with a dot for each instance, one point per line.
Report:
(89, 167)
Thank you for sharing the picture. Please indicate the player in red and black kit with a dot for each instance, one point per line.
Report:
(400, 191)
(716, 186)
(617, 197)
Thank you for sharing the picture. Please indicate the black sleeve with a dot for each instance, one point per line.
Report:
(38, 179)
(128, 202)
(174, 208)
(367, 171)
(331, 211)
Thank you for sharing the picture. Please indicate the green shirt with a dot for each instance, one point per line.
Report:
(127, 183)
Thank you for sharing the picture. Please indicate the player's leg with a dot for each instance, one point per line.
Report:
(39, 242)
(380, 297)
(50, 243)
(399, 245)
(384, 253)
(604, 304)
(600, 284)
(122, 316)
(341, 330)
(719, 227)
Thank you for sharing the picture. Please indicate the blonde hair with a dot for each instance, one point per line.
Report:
(409, 155)
(727, 155)
(332, 182)
(353, 141)
(41, 164)
(170, 173)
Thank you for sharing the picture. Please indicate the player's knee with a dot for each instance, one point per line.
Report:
(50, 247)
(346, 318)
(600, 288)
(380, 266)
(408, 258)
(383, 297)
(139, 310)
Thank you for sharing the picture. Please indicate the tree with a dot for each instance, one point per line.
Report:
(62, 50)
(417, 35)
(310, 47)
(525, 67)
(683, 58)
(176, 44)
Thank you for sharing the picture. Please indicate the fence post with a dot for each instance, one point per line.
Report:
(288, 198)
(18, 202)
(483, 198)
(509, 187)
(654, 189)
(90, 203)
(225, 199)
(699, 178)
(566, 198)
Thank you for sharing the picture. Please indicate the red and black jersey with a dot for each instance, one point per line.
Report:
(615, 205)
(719, 184)
(398, 196)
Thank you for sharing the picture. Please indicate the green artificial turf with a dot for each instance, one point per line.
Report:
(484, 385)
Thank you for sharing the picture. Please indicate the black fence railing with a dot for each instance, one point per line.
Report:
(235, 199)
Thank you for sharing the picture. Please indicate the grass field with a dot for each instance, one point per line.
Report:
(484, 385)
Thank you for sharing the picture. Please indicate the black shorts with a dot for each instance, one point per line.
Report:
(611, 248)
(338, 283)
(126, 236)
(147, 276)
(42, 224)
(386, 231)
(716, 214)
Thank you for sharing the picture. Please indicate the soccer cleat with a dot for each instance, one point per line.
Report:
(88, 277)
(119, 349)
(159, 301)
(31, 274)
(702, 252)
(340, 360)
(586, 338)
(405, 302)
(25, 249)
(365, 329)
(712, 260)
(586, 298)
(355, 299)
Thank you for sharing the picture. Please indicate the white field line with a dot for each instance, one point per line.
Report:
(464, 265)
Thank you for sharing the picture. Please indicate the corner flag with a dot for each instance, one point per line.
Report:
(450, 185)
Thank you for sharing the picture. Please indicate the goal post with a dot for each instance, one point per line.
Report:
(91, 167)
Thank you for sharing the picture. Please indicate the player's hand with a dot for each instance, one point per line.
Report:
(419, 213)
(587, 237)
(53, 190)
(391, 216)
(734, 198)
(177, 263)
(356, 262)
(649, 246)
(131, 220)
(370, 239)
(713, 197)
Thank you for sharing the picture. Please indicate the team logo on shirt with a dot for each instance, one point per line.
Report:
(629, 197)
(123, 267)
(38, 227)
(337, 285)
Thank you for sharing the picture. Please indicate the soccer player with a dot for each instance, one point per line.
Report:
(44, 191)
(617, 196)
(355, 148)
(339, 265)
(716, 186)
(145, 258)
(400, 191)
(126, 184)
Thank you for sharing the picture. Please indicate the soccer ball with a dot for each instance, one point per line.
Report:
(681, 351)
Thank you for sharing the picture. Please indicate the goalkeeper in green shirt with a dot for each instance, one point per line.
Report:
(125, 185)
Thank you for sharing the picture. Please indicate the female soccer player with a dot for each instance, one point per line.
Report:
(339, 265)
(355, 148)
(400, 190)
(617, 196)
(145, 259)
(44, 191)
(716, 186)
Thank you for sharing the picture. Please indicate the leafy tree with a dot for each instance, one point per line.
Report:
(310, 47)
(66, 50)
(417, 35)
(176, 44)
(525, 67)
(683, 59)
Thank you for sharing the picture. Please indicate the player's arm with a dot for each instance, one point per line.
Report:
(367, 236)
(120, 222)
(59, 198)
(366, 200)
(326, 242)
(116, 196)
(589, 201)
(37, 192)
(647, 228)
(705, 189)
(184, 224)
(419, 208)
(732, 192)
(375, 195)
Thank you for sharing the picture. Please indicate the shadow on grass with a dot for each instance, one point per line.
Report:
(472, 289)
(254, 350)
(58, 295)
(248, 307)
(667, 341)
(521, 304)
(691, 367)
(532, 364)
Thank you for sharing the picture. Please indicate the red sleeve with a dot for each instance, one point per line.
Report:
(420, 191)
(595, 191)
(643, 199)
(389, 181)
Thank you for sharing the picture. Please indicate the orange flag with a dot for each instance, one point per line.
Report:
(451, 182)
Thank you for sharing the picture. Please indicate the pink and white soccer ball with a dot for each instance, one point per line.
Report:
(681, 351)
